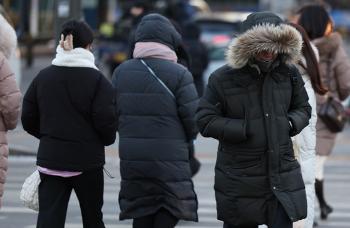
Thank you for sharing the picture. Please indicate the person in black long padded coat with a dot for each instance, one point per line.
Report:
(156, 123)
(253, 105)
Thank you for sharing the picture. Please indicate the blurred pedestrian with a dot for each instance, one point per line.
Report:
(184, 58)
(10, 96)
(182, 52)
(253, 106)
(334, 71)
(198, 53)
(138, 10)
(305, 141)
(156, 105)
(70, 108)
(180, 11)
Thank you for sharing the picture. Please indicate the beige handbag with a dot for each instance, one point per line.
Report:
(30, 191)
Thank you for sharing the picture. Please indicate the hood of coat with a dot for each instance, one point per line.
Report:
(8, 38)
(279, 38)
(156, 28)
(328, 44)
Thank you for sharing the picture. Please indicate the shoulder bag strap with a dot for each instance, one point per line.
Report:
(158, 79)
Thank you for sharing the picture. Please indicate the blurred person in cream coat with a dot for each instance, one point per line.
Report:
(305, 143)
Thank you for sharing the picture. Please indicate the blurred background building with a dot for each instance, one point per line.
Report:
(38, 16)
(38, 22)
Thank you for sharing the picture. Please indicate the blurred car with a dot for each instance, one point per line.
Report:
(217, 31)
(341, 19)
(200, 6)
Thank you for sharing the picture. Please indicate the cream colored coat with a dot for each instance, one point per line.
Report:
(10, 96)
(305, 149)
(305, 145)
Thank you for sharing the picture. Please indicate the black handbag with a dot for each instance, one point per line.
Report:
(332, 112)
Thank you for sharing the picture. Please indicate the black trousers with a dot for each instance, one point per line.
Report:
(162, 219)
(54, 194)
(281, 220)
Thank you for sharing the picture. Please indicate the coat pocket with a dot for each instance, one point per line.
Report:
(284, 126)
(288, 161)
(246, 162)
(245, 166)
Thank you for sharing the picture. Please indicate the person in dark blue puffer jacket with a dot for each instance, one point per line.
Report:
(156, 126)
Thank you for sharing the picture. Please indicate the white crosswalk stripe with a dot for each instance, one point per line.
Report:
(337, 183)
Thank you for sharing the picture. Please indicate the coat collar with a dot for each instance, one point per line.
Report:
(78, 57)
(248, 75)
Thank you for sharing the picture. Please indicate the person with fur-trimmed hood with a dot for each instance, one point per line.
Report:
(10, 96)
(253, 105)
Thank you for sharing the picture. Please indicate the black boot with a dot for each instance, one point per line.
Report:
(325, 209)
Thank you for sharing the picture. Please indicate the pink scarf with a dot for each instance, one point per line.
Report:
(154, 50)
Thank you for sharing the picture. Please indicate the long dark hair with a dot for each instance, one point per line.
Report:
(311, 67)
(314, 19)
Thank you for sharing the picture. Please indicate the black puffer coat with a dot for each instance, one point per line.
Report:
(249, 114)
(154, 130)
(72, 111)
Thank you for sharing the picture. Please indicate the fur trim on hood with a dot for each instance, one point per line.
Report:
(280, 39)
(8, 38)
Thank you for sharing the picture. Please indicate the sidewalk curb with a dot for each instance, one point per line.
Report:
(20, 151)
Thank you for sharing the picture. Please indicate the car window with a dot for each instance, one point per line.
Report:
(217, 52)
(209, 30)
(217, 35)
